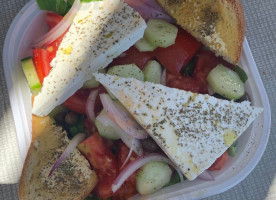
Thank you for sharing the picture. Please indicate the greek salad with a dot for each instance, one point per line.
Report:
(126, 160)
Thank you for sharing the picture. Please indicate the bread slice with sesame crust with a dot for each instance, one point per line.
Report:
(72, 180)
(218, 24)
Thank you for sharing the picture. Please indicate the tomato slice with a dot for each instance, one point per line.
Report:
(133, 56)
(52, 19)
(206, 61)
(220, 162)
(128, 189)
(77, 102)
(175, 57)
(184, 82)
(103, 161)
(42, 64)
(53, 47)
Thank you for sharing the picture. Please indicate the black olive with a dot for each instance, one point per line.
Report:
(72, 118)
(60, 117)
(245, 97)
(150, 145)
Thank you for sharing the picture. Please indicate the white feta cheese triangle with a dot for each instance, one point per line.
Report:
(192, 129)
(101, 31)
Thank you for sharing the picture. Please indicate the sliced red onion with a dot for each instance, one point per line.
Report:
(164, 77)
(154, 5)
(122, 55)
(148, 11)
(210, 91)
(129, 140)
(129, 154)
(122, 118)
(71, 146)
(90, 105)
(138, 163)
(60, 28)
(206, 176)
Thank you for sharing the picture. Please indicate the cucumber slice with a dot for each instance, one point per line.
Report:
(31, 75)
(232, 149)
(92, 83)
(152, 177)
(143, 45)
(106, 129)
(174, 179)
(160, 33)
(243, 76)
(153, 72)
(126, 71)
(226, 82)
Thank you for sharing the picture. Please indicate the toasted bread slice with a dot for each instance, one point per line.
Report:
(73, 179)
(218, 24)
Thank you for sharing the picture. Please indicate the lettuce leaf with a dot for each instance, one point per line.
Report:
(60, 7)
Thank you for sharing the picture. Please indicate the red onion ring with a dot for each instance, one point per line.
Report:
(147, 10)
(154, 5)
(120, 116)
(129, 154)
(210, 90)
(164, 77)
(71, 146)
(60, 28)
(129, 140)
(206, 176)
(138, 163)
(90, 105)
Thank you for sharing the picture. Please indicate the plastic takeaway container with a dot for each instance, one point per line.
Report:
(30, 24)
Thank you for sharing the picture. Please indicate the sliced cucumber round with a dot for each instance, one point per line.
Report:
(226, 82)
(106, 129)
(152, 177)
(160, 33)
(143, 45)
(153, 72)
(126, 71)
(31, 75)
(129, 70)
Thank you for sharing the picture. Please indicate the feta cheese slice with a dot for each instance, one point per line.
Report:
(192, 129)
(101, 31)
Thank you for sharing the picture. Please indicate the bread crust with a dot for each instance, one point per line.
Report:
(238, 7)
(197, 17)
(48, 142)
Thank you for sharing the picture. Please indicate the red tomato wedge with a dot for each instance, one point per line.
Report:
(53, 47)
(184, 82)
(53, 19)
(77, 102)
(220, 162)
(128, 189)
(175, 57)
(103, 161)
(42, 64)
(206, 61)
(133, 56)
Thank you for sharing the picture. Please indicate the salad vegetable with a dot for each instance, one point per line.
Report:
(152, 177)
(118, 147)
(61, 7)
(31, 75)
